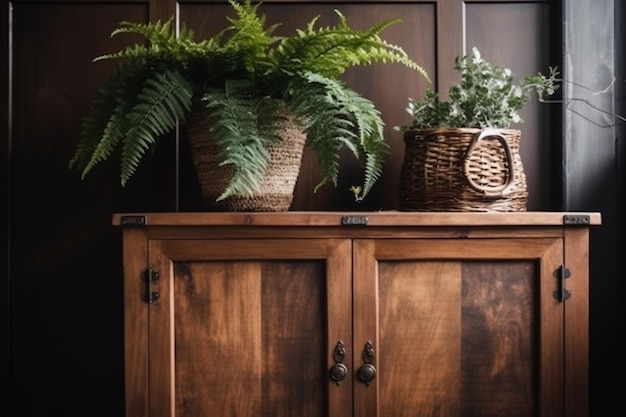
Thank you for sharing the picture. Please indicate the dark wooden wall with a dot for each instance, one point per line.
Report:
(594, 176)
(61, 293)
(618, 316)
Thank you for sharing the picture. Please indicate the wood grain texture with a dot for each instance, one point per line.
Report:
(374, 219)
(136, 321)
(420, 347)
(218, 338)
(294, 337)
(486, 307)
(249, 335)
(242, 329)
(500, 338)
(577, 323)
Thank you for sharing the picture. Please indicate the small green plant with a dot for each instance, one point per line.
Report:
(486, 97)
(245, 77)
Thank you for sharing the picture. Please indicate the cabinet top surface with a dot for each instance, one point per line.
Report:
(345, 219)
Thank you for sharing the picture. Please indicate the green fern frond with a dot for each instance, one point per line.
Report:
(329, 51)
(249, 28)
(164, 99)
(328, 127)
(158, 33)
(244, 125)
(106, 123)
(162, 41)
(368, 124)
(328, 131)
(342, 118)
(250, 39)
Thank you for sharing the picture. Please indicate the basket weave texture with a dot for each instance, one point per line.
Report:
(462, 170)
(276, 187)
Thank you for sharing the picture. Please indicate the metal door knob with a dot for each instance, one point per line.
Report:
(338, 372)
(367, 373)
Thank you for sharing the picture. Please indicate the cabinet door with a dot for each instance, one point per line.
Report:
(459, 327)
(247, 328)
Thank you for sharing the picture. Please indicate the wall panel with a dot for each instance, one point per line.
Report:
(65, 283)
(593, 146)
(513, 35)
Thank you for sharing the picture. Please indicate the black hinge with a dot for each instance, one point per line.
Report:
(576, 219)
(561, 274)
(133, 220)
(149, 276)
(354, 220)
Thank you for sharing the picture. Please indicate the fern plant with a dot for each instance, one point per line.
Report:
(245, 76)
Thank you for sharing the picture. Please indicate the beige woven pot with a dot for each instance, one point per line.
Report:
(276, 186)
(462, 170)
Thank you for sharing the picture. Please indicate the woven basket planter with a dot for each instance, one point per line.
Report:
(462, 170)
(276, 186)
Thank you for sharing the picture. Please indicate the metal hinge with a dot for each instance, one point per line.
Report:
(561, 274)
(133, 220)
(576, 219)
(149, 276)
(354, 220)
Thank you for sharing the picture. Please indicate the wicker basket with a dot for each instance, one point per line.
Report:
(462, 170)
(276, 186)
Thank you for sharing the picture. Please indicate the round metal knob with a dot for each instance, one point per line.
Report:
(338, 372)
(367, 373)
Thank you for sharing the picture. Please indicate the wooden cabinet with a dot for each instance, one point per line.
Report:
(422, 314)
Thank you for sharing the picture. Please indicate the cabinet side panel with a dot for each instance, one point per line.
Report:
(577, 323)
(135, 323)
